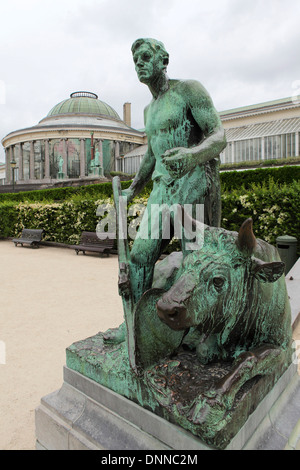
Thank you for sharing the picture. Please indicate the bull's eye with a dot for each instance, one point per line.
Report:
(218, 282)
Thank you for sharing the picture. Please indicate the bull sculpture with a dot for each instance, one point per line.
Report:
(233, 294)
(227, 304)
(209, 340)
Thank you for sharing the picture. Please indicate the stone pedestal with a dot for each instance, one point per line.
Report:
(85, 415)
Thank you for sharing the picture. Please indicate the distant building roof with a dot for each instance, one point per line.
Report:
(83, 102)
(138, 151)
(82, 112)
(260, 108)
(252, 131)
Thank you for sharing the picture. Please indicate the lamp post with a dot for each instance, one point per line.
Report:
(13, 165)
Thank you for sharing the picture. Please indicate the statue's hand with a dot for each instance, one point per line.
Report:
(176, 161)
(128, 193)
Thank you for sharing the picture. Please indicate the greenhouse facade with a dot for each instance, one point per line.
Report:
(81, 137)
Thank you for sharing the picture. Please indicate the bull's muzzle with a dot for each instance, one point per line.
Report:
(173, 314)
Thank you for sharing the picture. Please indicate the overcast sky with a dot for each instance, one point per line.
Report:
(242, 51)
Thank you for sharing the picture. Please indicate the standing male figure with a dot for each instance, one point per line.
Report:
(185, 137)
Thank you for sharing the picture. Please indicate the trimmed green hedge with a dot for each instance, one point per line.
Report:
(61, 194)
(261, 163)
(274, 206)
(275, 210)
(62, 222)
(8, 219)
(230, 180)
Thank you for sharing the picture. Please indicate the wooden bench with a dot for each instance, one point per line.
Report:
(91, 242)
(31, 236)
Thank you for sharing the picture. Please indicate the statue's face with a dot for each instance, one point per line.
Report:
(148, 64)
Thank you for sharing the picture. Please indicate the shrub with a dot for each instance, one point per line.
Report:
(8, 219)
(232, 180)
(274, 208)
(261, 163)
(62, 222)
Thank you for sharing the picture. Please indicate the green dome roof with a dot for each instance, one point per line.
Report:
(83, 102)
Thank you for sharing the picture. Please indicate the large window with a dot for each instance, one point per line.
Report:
(26, 159)
(280, 146)
(73, 157)
(55, 152)
(290, 145)
(39, 159)
(275, 147)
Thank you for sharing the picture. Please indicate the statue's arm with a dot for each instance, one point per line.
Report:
(181, 160)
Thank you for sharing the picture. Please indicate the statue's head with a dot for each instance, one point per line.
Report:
(150, 57)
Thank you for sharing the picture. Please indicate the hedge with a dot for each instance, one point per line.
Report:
(261, 163)
(8, 219)
(62, 222)
(230, 180)
(274, 208)
(99, 190)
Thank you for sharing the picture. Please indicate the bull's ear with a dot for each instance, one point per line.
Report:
(246, 241)
(267, 272)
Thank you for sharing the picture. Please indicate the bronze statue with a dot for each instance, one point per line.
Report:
(185, 137)
(207, 331)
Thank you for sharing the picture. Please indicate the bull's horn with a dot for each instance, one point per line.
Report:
(246, 241)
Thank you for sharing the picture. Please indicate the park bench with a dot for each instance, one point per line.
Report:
(90, 241)
(32, 237)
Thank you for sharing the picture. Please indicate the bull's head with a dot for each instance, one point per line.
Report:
(216, 280)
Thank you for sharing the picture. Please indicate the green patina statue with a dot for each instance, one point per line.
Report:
(185, 137)
(207, 331)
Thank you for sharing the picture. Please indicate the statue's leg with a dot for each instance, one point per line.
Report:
(144, 255)
(115, 335)
(249, 364)
(155, 232)
(145, 252)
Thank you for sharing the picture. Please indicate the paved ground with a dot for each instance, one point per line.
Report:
(50, 298)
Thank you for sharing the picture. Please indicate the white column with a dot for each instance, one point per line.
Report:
(117, 153)
(21, 172)
(262, 148)
(232, 152)
(7, 165)
(100, 147)
(47, 159)
(31, 161)
(64, 155)
(297, 144)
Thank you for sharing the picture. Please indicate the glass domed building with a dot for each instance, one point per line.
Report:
(81, 137)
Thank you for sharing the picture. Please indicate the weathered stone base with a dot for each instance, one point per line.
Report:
(175, 389)
(85, 415)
